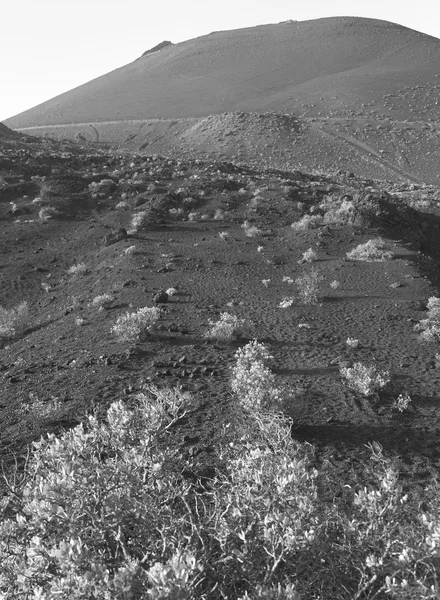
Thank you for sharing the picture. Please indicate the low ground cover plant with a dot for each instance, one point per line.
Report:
(373, 250)
(365, 379)
(14, 321)
(227, 328)
(133, 325)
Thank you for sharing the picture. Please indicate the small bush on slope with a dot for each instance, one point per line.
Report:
(373, 250)
(250, 230)
(78, 269)
(252, 381)
(307, 222)
(138, 221)
(430, 327)
(337, 211)
(48, 212)
(131, 326)
(308, 256)
(14, 321)
(366, 380)
(308, 286)
(101, 302)
(227, 328)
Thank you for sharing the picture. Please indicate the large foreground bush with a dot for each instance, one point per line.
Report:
(107, 512)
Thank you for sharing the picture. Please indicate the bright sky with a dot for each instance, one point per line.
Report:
(50, 46)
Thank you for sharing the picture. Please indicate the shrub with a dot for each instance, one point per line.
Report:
(403, 402)
(338, 212)
(286, 302)
(102, 302)
(373, 250)
(37, 413)
(430, 327)
(78, 269)
(14, 321)
(122, 205)
(250, 230)
(308, 286)
(227, 328)
(85, 521)
(138, 221)
(132, 326)
(308, 256)
(252, 381)
(48, 212)
(366, 380)
(172, 291)
(307, 222)
(176, 212)
(433, 306)
(352, 342)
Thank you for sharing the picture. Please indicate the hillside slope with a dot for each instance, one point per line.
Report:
(332, 64)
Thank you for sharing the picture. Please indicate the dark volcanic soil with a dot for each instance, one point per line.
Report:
(59, 200)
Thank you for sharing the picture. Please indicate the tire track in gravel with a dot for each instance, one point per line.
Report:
(369, 152)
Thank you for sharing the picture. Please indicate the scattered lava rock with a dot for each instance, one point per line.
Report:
(115, 236)
(161, 297)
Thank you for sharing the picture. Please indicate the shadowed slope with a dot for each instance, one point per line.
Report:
(7, 134)
(333, 63)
